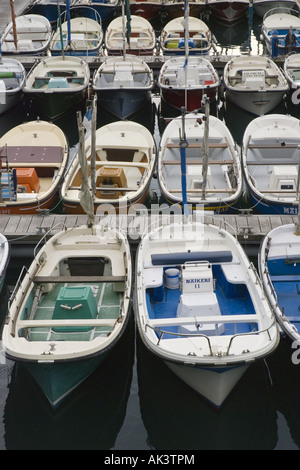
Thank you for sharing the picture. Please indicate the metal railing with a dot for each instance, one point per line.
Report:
(197, 335)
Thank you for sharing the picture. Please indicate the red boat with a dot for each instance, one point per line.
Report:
(228, 11)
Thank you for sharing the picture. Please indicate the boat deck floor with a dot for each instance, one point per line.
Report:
(108, 307)
(288, 298)
(229, 305)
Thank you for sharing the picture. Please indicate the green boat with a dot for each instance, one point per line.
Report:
(55, 85)
(71, 308)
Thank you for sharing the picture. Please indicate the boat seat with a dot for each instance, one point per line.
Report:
(58, 82)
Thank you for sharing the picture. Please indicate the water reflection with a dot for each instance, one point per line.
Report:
(175, 417)
(90, 418)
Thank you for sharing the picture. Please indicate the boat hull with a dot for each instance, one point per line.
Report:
(212, 383)
(220, 208)
(123, 103)
(23, 208)
(229, 11)
(55, 104)
(58, 380)
(9, 99)
(262, 7)
(263, 206)
(176, 98)
(145, 9)
(255, 102)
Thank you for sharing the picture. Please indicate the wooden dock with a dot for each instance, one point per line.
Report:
(29, 229)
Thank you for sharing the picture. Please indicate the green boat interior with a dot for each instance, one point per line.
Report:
(65, 297)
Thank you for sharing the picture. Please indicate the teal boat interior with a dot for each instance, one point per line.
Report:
(206, 289)
(285, 276)
(62, 297)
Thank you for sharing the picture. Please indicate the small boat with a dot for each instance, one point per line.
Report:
(229, 11)
(49, 9)
(141, 38)
(261, 7)
(281, 31)
(123, 85)
(270, 159)
(12, 79)
(200, 306)
(291, 70)
(184, 83)
(279, 257)
(255, 83)
(71, 308)
(29, 34)
(175, 8)
(106, 9)
(34, 156)
(55, 85)
(149, 9)
(213, 170)
(125, 157)
(80, 36)
(4, 259)
(172, 38)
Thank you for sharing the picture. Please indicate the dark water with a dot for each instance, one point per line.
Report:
(133, 402)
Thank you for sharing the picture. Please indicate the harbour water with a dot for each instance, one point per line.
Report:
(133, 402)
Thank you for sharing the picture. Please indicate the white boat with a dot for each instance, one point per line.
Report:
(276, 26)
(55, 85)
(261, 7)
(213, 169)
(228, 11)
(279, 263)
(4, 259)
(123, 85)
(255, 83)
(29, 34)
(184, 83)
(172, 38)
(270, 159)
(141, 40)
(291, 70)
(71, 308)
(200, 306)
(81, 36)
(12, 79)
(125, 157)
(34, 157)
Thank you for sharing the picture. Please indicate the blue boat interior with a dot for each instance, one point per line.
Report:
(285, 277)
(230, 298)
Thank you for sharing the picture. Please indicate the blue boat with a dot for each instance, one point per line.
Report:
(105, 8)
(77, 36)
(270, 160)
(51, 9)
(279, 265)
(200, 307)
(281, 31)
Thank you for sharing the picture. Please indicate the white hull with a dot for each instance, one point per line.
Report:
(254, 84)
(213, 385)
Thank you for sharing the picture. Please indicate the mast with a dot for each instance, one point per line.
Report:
(205, 147)
(186, 45)
(13, 18)
(86, 198)
(183, 146)
(68, 22)
(60, 30)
